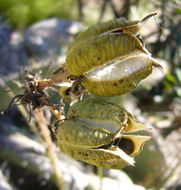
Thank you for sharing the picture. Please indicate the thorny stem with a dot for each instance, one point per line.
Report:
(52, 155)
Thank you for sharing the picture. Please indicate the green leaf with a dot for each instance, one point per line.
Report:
(171, 78)
(177, 11)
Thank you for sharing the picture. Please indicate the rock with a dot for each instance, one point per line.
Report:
(12, 56)
(170, 147)
(32, 157)
(116, 180)
(47, 37)
(4, 185)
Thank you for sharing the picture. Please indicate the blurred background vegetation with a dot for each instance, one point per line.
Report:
(23, 13)
(157, 101)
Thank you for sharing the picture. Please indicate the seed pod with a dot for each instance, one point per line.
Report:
(64, 93)
(117, 25)
(120, 76)
(103, 43)
(92, 53)
(102, 134)
(110, 58)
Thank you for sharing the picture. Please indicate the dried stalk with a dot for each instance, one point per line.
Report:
(46, 136)
(52, 155)
(100, 174)
(25, 115)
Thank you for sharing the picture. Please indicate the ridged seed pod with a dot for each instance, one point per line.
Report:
(102, 43)
(92, 53)
(102, 134)
(117, 25)
(120, 77)
(111, 59)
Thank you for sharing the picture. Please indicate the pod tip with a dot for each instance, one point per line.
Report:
(147, 17)
(158, 66)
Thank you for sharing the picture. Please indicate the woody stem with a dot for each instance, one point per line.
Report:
(42, 84)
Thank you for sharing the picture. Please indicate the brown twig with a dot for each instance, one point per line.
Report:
(173, 35)
(46, 136)
(57, 78)
(49, 144)
(80, 8)
(103, 8)
(25, 115)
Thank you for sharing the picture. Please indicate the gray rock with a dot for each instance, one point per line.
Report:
(4, 185)
(45, 38)
(31, 155)
(12, 56)
(117, 180)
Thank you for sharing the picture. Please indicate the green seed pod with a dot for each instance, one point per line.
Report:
(92, 53)
(110, 58)
(103, 43)
(64, 93)
(120, 76)
(102, 134)
(112, 26)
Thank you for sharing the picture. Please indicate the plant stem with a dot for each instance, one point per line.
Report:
(100, 174)
(47, 138)
(49, 144)
(25, 115)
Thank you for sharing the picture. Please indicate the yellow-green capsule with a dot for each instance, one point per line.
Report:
(110, 58)
(103, 42)
(92, 53)
(102, 134)
(117, 25)
(119, 77)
